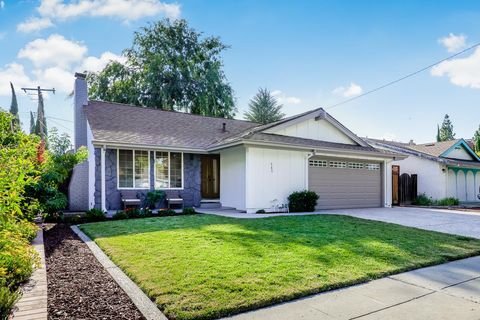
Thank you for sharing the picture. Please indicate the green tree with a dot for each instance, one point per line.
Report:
(32, 123)
(476, 141)
(446, 130)
(264, 108)
(58, 144)
(438, 133)
(170, 66)
(41, 123)
(14, 107)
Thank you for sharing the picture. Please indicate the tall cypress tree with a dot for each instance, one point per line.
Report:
(14, 106)
(438, 133)
(41, 124)
(32, 123)
(446, 130)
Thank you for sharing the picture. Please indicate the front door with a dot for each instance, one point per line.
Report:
(210, 176)
(395, 185)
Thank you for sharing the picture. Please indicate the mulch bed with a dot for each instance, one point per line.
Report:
(78, 285)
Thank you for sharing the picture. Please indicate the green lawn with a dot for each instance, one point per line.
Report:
(203, 266)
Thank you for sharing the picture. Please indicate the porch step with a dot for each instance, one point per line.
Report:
(210, 204)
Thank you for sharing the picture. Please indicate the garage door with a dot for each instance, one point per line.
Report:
(343, 183)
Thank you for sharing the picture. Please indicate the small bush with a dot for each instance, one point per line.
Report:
(76, 219)
(166, 212)
(7, 301)
(189, 210)
(154, 197)
(261, 211)
(53, 217)
(145, 213)
(120, 215)
(93, 215)
(133, 213)
(447, 202)
(302, 201)
(422, 200)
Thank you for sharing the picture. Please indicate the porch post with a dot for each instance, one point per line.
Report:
(102, 177)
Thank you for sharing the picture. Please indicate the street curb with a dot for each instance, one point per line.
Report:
(139, 298)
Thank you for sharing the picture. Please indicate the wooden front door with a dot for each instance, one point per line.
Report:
(210, 176)
(395, 185)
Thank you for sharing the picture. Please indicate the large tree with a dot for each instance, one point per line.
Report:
(172, 67)
(41, 123)
(264, 108)
(14, 107)
(446, 130)
(32, 123)
(476, 141)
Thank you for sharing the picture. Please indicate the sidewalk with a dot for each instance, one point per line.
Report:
(448, 291)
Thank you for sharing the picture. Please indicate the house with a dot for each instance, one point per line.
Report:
(443, 169)
(232, 163)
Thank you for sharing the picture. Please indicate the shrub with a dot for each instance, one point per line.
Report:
(166, 212)
(447, 202)
(422, 200)
(76, 219)
(154, 197)
(8, 299)
(94, 214)
(120, 215)
(132, 213)
(302, 201)
(261, 211)
(189, 210)
(53, 217)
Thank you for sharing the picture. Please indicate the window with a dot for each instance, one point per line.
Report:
(372, 166)
(338, 164)
(168, 170)
(355, 165)
(318, 163)
(133, 169)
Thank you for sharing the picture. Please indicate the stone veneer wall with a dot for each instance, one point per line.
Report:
(191, 180)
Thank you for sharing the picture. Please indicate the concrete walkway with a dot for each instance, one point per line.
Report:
(448, 291)
(448, 221)
(33, 303)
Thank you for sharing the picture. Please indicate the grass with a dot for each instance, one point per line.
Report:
(203, 266)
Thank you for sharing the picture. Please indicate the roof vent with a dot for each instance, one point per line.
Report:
(411, 143)
(224, 127)
(430, 145)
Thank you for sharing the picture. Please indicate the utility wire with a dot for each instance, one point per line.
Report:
(402, 78)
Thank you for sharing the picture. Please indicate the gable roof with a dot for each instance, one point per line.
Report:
(436, 151)
(125, 125)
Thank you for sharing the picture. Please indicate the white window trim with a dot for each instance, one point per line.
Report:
(133, 163)
(169, 167)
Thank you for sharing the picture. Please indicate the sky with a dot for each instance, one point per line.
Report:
(310, 54)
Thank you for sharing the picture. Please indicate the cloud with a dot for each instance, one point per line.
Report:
(15, 73)
(282, 98)
(125, 10)
(34, 24)
(53, 51)
(453, 43)
(52, 62)
(463, 72)
(94, 64)
(2, 4)
(351, 91)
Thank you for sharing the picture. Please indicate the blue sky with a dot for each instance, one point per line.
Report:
(310, 53)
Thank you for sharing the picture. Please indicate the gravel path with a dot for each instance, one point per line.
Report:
(78, 286)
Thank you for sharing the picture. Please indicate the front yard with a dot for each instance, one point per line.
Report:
(203, 266)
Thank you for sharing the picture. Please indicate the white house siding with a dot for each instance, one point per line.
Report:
(431, 180)
(232, 178)
(273, 174)
(463, 186)
(314, 129)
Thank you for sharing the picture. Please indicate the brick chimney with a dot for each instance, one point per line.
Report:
(79, 119)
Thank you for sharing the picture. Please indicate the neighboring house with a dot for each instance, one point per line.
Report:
(443, 169)
(234, 163)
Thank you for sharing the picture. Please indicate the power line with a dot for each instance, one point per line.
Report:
(403, 78)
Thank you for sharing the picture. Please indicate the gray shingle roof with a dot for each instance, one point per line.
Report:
(125, 124)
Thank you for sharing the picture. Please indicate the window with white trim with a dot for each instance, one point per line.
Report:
(168, 170)
(338, 164)
(133, 169)
(355, 165)
(372, 166)
(318, 163)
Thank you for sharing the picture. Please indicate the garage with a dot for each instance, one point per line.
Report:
(345, 183)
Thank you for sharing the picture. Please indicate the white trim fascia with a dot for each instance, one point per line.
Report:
(91, 168)
(288, 123)
(326, 116)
